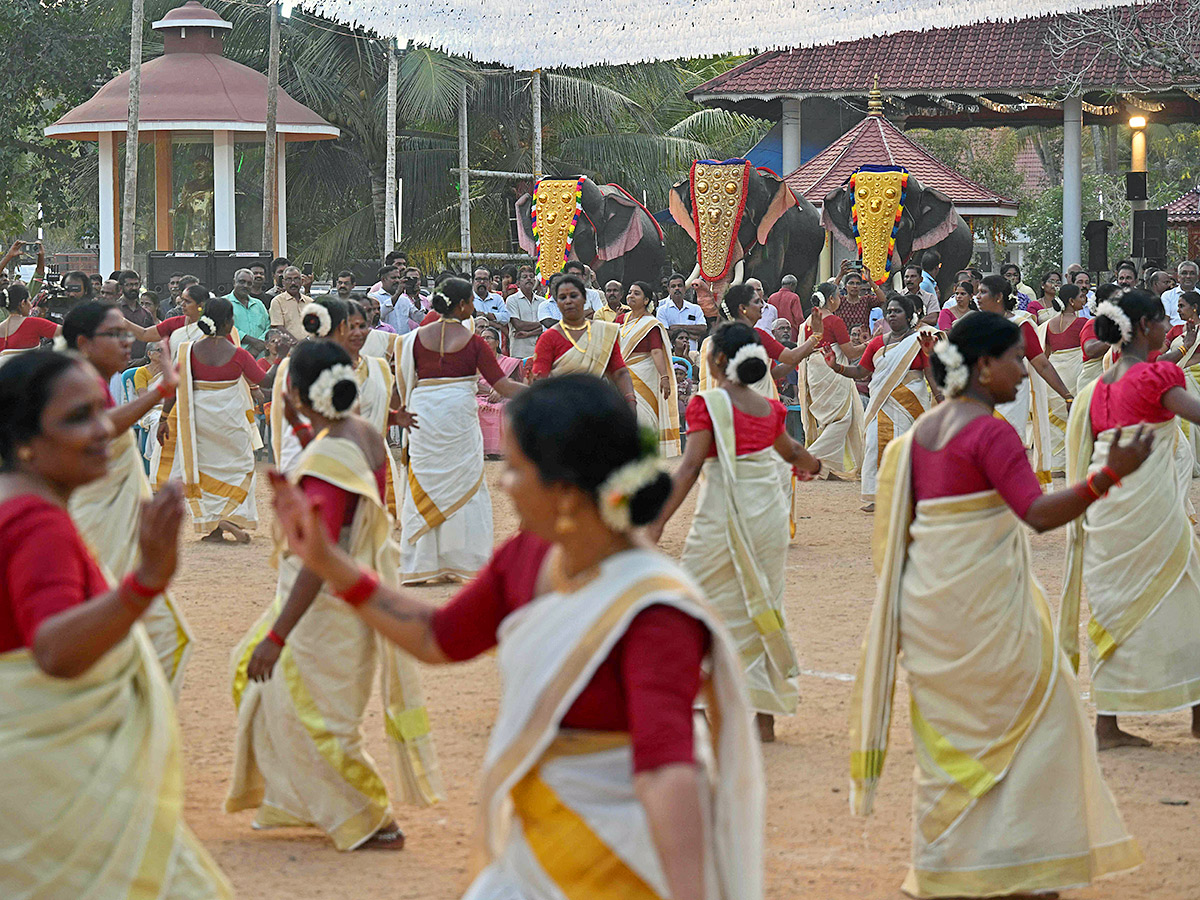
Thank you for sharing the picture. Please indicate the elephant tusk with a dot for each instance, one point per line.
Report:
(738, 271)
(695, 274)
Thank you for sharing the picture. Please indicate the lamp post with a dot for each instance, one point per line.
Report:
(1137, 125)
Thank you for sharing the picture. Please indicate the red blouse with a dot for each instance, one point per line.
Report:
(476, 356)
(1067, 339)
(652, 341)
(29, 334)
(987, 454)
(751, 433)
(33, 530)
(647, 685)
(553, 343)
(1088, 333)
(1135, 397)
(241, 364)
(336, 505)
(833, 333)
(772, 346)
(1033, 346)
(873, 345)
(167, 327)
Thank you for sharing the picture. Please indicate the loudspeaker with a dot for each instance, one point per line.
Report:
(187, 262)
(1096, 234)
(1135, 187)
(1150, 233)
(226, 262)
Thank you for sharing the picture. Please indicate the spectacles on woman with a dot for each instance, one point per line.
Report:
(116, 335)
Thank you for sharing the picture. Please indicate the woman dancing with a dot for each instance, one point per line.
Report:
(644, 344)
(833, 414)
(179, 330)
(736, 548)
(1134, 552)
(206, 434)
(22, 332)
(107, 511)
(901, 385)
(1097, 355)
(595, 780)
(1009, 797)
(91, 782)
(491, 405)
(302, 675)
(1031, 408)
(377, 395)
(961, 303)
(1183, 347)
(1059, 335)
(446, 517)
(579, 344)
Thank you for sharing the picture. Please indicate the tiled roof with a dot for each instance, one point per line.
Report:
(1185, 209)
(1003, 57)
(876, 141)
(1033, 173)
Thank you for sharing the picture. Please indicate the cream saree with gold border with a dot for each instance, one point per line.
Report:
(1190, 363)
(1008, 795)
(1137, 557)
(736, 550)
(1068, 363)
(899, 395)
(108, 513)
(298, 753)
(1029, 413)
(210, 447)
(446, 512)
(375, 380)
(91, 784)
(592, 358)
(833, 414)
(560, 816)
(653, 409)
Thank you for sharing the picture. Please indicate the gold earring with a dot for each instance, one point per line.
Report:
(25, 454)
(985, 376)
(564, 524)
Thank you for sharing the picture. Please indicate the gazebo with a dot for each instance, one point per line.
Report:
(191, 93)
(876, 141)
(987, 74)
(1184, 213)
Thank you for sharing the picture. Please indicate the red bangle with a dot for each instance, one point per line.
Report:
(275, 639)
(1085, 491)
(1092, 487)
(1112, 476)
(130, 583)
(360, 592)
(163, 391)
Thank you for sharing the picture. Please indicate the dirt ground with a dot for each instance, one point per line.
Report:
(814, 847)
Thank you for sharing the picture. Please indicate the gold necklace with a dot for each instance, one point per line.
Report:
(566, 331)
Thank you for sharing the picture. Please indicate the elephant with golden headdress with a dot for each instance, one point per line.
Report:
(746, 223)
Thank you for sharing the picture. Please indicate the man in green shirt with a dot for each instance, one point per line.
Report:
(250, 317)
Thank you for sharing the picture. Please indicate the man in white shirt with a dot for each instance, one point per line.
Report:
(1188, 274)
(395, 307)
(595, 298)
(927, 303)
(488, 303)
(680, 316)
(524, 323)
(769, 313)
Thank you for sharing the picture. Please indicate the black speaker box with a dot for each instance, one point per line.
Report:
(1150, 233)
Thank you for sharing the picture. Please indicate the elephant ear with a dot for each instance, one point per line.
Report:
(621, 229)
(782, 199)
(835, 215)
(934, 214)
(679, 211)
(525, 225)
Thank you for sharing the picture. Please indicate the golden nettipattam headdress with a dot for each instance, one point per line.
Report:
(718, 201)
(557, 206)
(878, 194)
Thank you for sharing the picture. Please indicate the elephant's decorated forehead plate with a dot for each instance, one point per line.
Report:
(556, 206)
(718, 200)
(875, 213)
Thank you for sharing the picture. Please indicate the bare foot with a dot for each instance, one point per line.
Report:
(870, 507)
(215, 537)
(833, 476)
(389, 837)
(235, 532)
(1109, 736)
(766, 727)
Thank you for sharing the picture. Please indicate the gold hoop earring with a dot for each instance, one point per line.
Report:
(25, 454)
(564, 524)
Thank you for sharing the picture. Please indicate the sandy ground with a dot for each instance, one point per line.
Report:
(815, 848)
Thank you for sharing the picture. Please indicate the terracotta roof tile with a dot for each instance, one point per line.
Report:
(876, 141)
(1185, 209)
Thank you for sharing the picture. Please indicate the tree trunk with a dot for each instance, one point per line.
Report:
(389, 203)
(379, 203)
(129, 201)
(270, 175)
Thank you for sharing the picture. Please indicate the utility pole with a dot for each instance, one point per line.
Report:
(389, 203)
(270, 174)
(129, 203)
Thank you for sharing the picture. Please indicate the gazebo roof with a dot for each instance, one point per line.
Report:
(876, 141)
(192, 87)
(1185, 209)
(987, 73)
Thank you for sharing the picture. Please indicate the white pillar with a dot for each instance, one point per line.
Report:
(108, 200)
(790, 135)
(389, 202)
(464, 177)
(224, 220)
(1072, 181)
(535, 87)
(281, 169)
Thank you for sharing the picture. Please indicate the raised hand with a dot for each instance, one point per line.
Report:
(927, 339)
(1127, 458)
(830, 356)
(816, 320)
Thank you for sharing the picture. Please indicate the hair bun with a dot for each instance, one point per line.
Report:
(345, 392)
(441, 303)
(647, 502)
(207, 325)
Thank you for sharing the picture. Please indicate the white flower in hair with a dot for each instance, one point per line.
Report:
(619, 488)
(320, 395)
(1110, 310)
(322, 314)
(207, 325)
(952, 360)
(748, 351)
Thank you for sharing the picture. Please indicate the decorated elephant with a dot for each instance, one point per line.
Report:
(747, 223)
(602, 226)
(886, 216)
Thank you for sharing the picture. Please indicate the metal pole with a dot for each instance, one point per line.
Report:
(129, 206)
(464, 175)
(1072, 181)
(536, 86)
(1138, 160)
(389, 203)
(270, 182)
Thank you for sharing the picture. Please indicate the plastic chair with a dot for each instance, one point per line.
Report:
(128, 392)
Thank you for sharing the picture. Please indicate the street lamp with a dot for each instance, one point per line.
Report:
(1137, 125)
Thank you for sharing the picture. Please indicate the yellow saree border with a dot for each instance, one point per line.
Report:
(593, 359)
